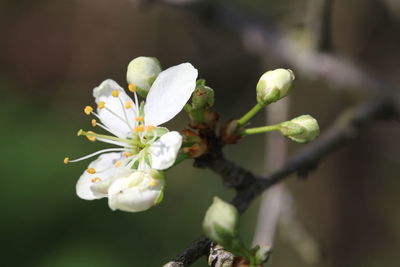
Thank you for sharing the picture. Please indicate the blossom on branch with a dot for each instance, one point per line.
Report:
(123, 174)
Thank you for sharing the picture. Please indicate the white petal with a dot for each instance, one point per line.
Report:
(169, 93)
(164, 150)
(104, 163)
(133, 193)
(120, 121)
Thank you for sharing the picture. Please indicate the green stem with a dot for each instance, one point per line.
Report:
(246, 117)
(263, 129)
(252, 261)
(198, 115)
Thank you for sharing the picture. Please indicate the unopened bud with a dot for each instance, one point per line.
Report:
(142, 72)
(302, 129)
(203, 97)
(274, 85)
(221, 222)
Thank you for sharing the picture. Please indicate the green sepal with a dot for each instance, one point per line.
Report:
(233, 243)
(160, 197)
(289, 128)
(200, 82)
(156, 174)
(273, 96)
(142, 92)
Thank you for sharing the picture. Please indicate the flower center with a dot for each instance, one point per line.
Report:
(135, 143)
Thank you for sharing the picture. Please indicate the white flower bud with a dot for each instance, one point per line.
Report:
(274, 85)
(302, 129)
(142, 72)
(221, 222)
(138, 191)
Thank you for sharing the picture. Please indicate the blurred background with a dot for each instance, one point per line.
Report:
(53, 53)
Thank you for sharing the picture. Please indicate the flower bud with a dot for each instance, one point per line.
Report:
(142, 72)
(274, 85)
(136, 191)
(302, 129)
(202, 97)
(221, 222)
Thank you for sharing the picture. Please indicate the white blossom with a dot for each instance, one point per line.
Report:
(141, 143)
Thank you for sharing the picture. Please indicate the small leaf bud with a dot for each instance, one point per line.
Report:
(274, 85)
(221, 222)
(302, 129)
(262, 254)
(142, 72)
(202, 97)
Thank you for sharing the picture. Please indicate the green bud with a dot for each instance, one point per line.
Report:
(221, 222)
(274, 85)
(202, 97)
(302, 129)
(200, 82)
(262, 254)
(142, 72)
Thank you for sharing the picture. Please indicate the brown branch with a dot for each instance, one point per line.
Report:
(346, 128)
(231, 174)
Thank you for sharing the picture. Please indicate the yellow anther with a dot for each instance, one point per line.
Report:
(91, 138)
(128, 105)
(80, 132)
(94, 123)
(115, 93)
(96, 179)
(150, 128)
(138, 129)
(153, 183)
(101, 104)
(88, 110)
(91, 170)
(132, 87)
(127, 154)
(139, 119)
(66, 160)
(117, 164)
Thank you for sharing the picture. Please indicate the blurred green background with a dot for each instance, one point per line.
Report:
(52, 53)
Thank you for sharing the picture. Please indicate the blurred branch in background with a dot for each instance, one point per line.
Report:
(275, 156)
